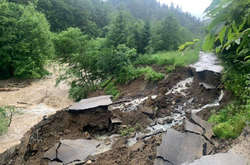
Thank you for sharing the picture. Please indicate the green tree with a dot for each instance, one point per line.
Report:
(145, 38)
(167, 35)
(118, 33)
(25, 41)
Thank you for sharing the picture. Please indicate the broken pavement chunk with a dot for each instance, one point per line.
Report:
(94, 102)
(177, 148)
(190, 127)
(220, 159)
(208, 133)
(68, 151)
(51, 153)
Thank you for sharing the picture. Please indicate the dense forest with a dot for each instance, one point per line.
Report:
(100, 38)
(103, 44)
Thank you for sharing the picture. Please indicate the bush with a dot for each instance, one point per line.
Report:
(69, 42)
(5, 114)
(3, 121)
(111, 89)
(150, 74)
(229, 121)
(89, 62)
(25, 41)
(127, 74)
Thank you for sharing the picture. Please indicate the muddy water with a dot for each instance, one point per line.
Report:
(21, 123)
(36, 99)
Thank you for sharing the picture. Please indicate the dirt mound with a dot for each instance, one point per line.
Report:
(143, 152)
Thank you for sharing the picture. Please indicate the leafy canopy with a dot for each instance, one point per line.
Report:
(25, 41)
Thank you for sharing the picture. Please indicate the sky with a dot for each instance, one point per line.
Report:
(195, 7)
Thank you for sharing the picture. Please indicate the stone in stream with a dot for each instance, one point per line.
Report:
(177, 148)
(68, 151)
(220, 159)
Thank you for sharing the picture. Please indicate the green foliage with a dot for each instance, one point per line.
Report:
(150, 74)
(5, 114)
(118, 33)
(238, 83)
(169, 58)
(3, 121)
(229, 37)
(170, 68)
(69, 42)
(127, 131)
(111, 89)
(166, 35)
(25, 41)
(91, 16)
(229, 32)
(189, 44)
(127, 74)
(229, 122)
(90, 62)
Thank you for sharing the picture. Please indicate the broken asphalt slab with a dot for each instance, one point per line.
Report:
(94, 102)
(220, 159)
(177, 148)
(68, 151)
(190, 127)
(207, 127)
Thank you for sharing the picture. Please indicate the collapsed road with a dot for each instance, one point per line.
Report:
(160, 124)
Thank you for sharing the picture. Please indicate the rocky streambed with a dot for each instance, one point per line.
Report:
(161, 124)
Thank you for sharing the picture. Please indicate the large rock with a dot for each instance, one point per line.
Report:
(220, 159)
(177, 148)
(68, 151)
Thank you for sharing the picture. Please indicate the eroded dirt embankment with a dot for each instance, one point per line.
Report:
(152, 116)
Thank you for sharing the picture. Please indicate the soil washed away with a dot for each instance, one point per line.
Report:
(158, 124)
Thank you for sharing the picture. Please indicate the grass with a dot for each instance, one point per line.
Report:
(169, 58)
(230, 121)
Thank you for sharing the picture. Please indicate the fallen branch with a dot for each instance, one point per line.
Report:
(11, 115)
